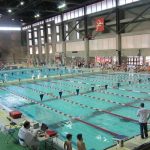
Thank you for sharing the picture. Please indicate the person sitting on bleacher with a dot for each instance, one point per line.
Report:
(26, 137)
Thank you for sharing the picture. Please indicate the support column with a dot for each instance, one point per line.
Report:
(53, 52)
(86, 40)
(53, 43)
(46, 43)
(47, 53)
(64, 53)
(63, 42)
(40, 59)
(33, 46)
(118, 37)
(86, 45)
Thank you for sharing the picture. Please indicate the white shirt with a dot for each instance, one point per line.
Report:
(143, 115)
(26, 135)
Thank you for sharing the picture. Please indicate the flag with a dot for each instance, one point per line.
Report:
(100, 25)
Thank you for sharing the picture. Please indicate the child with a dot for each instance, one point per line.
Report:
(80, 143)
(68, 144)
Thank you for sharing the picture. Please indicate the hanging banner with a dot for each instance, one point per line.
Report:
(103, 59)
(100, 25)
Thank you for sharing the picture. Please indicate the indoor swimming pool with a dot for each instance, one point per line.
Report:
(105, 107)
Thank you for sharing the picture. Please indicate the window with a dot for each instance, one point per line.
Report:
(81, 12)
(135, 60)
(42, 40)
(30, 50)
(42, 33)
(72, 14)
(99, 6)
(66, 26)
(76, 13)
(58, 38)
(43, 49)
(109, 3)
(49, 39)
(57, 29)
(36, 50)
(30, 42)
(56, 20)
(36, 41)
(77, 22)
(59, 18)
(50, 49)
(78, 35)
(49, 30)
(104, 6)
(122, 2)
(30, 35)
(41, 27)
(68, 15)
(88, 9)
(67, 37)
(65, 16)
(35, 34)
(128, 1)
(114, 3)
(93, 8)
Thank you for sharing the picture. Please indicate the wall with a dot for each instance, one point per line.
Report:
(10, 46)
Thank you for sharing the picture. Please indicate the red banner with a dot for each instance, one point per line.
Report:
(100, 25)
(102, 60)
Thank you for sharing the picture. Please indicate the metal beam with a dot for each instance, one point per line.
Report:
(134, 19)
(71, 30)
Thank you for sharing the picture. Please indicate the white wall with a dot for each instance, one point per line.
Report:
(103, 44)
(59, 47)
(136, 41)
(75, 46)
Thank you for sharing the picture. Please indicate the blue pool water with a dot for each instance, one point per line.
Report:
(98, 115)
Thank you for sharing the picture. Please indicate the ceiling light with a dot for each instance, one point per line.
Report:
(62, 5)
(9, 10)
(37, 15)
(22, 3)
(10, 28)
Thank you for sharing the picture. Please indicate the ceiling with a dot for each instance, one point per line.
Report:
(26, 13)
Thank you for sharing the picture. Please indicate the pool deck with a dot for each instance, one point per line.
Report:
(131, 143)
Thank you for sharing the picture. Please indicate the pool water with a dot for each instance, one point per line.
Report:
(98, 115)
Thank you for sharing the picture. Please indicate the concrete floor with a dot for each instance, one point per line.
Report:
(131, 143)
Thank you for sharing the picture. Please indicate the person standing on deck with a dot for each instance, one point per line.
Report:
(143, 115)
